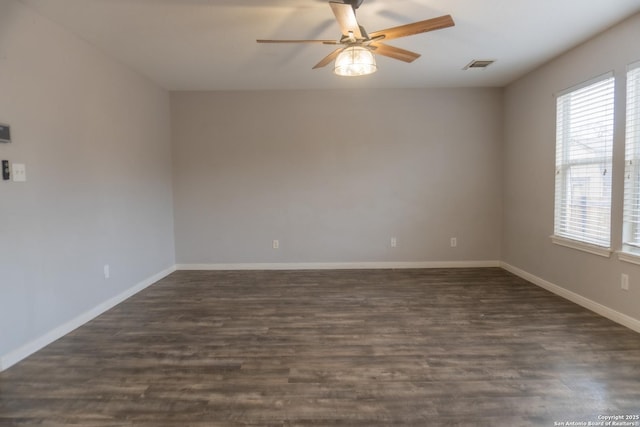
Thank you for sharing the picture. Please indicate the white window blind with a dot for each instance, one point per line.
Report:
(584, 140)
(631, 237)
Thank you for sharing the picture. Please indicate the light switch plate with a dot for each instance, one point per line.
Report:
(19, 172)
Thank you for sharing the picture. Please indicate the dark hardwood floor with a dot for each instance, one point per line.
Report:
(476, 347)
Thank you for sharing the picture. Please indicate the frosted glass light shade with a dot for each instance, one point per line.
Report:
(355, 61)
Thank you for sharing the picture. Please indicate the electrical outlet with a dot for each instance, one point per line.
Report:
(394, 242)
(276, 244)
(107, 272)
(624, 282)
(454, 242)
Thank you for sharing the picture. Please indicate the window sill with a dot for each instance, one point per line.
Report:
(581, 246)
(629, 257)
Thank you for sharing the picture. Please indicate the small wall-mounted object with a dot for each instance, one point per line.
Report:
(19, 172)
(5, 133)
(6, 175)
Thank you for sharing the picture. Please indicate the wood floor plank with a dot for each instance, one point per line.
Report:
(437, 347)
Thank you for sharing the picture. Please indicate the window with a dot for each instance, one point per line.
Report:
(584, 140)
(631, 237)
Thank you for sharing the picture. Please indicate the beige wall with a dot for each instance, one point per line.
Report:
(335, 174)
(529, 161)
(95, 138)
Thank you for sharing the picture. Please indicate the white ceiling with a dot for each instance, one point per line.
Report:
(210, 44)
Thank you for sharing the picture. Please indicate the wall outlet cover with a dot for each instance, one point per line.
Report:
(19, 172)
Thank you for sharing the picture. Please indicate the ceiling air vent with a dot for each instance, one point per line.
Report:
(479, 63)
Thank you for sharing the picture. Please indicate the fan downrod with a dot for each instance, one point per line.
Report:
(355, 4)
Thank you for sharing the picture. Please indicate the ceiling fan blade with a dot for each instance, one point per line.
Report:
(395, 52)
(298, 41)
(415, 28)
(327, 59)
(346, 18)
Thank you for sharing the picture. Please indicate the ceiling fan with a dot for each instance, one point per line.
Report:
(355, 56)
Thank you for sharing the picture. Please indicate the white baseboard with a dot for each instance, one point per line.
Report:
(339, 265)
(603, 310)
(13, 357)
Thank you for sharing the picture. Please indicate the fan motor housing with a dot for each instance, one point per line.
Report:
(354, 3)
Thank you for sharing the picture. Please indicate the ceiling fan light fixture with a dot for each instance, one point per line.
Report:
(355, 61)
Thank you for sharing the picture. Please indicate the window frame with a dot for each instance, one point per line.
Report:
(631, 246)
(562, 233)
